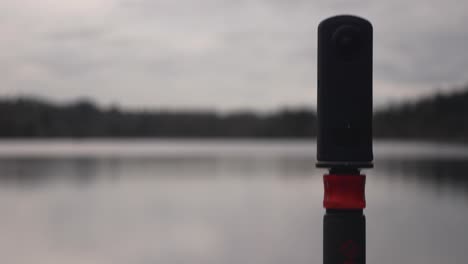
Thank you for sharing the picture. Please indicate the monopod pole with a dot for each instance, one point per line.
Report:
(344, 223)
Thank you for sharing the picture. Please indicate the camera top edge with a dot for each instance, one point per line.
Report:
(345, 19)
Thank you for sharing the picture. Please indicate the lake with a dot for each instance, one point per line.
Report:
(220, 202)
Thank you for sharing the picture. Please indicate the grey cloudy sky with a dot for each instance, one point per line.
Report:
(223, 54)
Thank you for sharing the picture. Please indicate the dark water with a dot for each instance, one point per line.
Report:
(220, 202)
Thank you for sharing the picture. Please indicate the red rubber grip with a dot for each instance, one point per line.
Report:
(343, 191)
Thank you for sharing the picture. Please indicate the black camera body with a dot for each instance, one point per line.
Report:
(344, 107)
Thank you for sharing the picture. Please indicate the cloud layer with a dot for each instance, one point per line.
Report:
(223, 54)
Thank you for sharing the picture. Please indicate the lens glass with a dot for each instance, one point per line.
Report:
(346, 40)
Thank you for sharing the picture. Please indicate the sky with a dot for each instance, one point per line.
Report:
(219, 54)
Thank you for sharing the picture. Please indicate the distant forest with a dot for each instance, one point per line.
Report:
(441, 118)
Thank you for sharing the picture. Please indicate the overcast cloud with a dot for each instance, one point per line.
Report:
(223, 54)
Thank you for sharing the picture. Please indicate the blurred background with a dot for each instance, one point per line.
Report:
(156, 131)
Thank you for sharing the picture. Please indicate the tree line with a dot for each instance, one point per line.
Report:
(32, 118)
(441, 117)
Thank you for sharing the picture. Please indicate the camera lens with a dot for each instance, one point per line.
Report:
(347, 41)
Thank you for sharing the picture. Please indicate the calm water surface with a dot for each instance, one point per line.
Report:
(220, 202)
